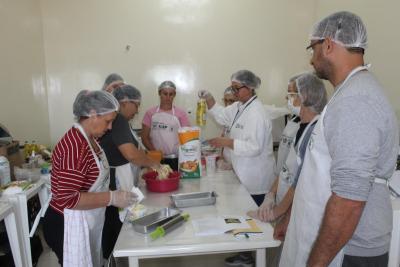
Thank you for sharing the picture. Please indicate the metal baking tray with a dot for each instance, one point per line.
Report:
(194, 199)
(150, 222)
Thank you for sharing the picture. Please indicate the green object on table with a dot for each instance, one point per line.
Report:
(169, 226)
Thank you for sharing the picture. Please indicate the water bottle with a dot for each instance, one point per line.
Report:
(5, 175)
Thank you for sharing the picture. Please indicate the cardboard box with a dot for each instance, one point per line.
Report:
(13, 154)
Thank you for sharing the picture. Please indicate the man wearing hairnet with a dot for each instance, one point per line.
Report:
(341, 214)
(121, 146)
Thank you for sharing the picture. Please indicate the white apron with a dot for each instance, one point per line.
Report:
(290, 166)
(127, 176)
(312, 193)
(287, 139)
(83, 228)
(164, 133)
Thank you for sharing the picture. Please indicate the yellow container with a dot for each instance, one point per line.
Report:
(201, 112)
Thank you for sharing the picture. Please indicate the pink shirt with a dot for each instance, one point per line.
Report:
(179, 113)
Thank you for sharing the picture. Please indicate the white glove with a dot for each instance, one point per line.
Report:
(122, 199)
(265, 211)
(204, 94)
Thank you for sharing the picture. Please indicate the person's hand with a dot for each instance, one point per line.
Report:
(280, 229)
(122, 199)
(220, 142)
(265, 211)
(204, 94)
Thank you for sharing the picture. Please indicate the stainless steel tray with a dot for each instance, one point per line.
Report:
(194, 199)
(149, 223)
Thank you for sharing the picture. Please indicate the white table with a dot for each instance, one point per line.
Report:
(233, 199)
(7, 214)
(19, 204)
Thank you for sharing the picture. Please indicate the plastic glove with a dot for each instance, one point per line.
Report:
(122, 199)
(204, 94)
(265, 211)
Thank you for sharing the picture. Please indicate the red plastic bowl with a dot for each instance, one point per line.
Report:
(160, 186)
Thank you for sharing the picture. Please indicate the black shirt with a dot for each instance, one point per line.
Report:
(119, 134)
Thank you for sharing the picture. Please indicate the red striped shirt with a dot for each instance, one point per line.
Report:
(74, 170)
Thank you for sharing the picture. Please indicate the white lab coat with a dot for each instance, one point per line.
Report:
(252, 157)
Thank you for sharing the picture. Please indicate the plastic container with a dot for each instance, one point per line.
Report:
(201, 114)
(211, 163)
(161, 186)
(5, 175)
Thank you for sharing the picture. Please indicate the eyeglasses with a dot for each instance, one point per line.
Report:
(291, 95)
(237, 89)
(311, 46)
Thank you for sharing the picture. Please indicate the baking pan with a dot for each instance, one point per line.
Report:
(194, 199)
(148, 223)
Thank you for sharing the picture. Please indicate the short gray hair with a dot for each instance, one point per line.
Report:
(312, 92)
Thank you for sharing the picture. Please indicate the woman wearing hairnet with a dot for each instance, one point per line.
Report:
(121, 145)
(309, 98)
(161, 123)
(79, 184)
(248, 141)
(112, 82)
(306, 97)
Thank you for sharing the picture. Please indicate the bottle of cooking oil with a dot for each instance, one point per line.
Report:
(201, 112)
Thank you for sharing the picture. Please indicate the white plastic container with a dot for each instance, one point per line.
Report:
(211, 163)
(5, 175)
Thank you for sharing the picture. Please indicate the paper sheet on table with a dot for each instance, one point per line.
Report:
(217, 225)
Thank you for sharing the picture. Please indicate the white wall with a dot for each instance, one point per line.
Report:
(74, 44)
(23, 101)
(197, 44)
(382, 21)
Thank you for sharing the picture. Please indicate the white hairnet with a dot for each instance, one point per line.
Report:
(112, 78)
(342, 27)
(166, 84)
(127, 93)
(246, 78)
(293, 78)
(88, 103)
(312, 92)
(228, 91)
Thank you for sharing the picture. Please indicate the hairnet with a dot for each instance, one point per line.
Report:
(293, 78)
(246, 78)
(99, 102)
(228, 91)
(112, 78)
(342, 27)
(312, 92)
(166, 84)
(127, 93)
